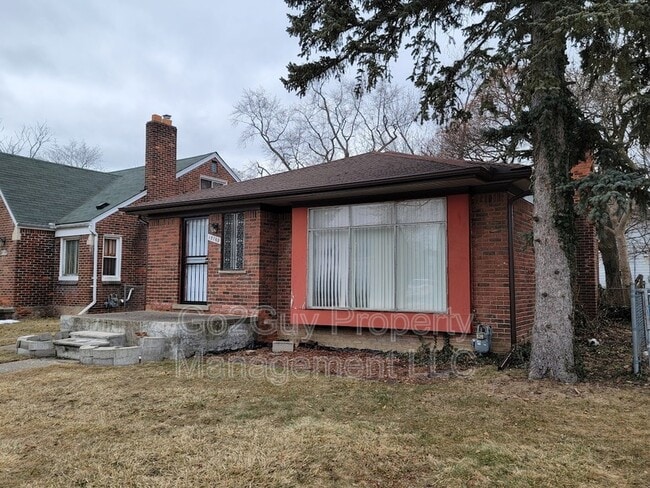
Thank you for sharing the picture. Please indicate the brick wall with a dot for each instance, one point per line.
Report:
(490, 283)
(7, 258)
(253, 287)
(586, 282)
(284, 265)
(586, 267)
(134, 266)
(266, 277)
(36, 270)
(74, 296)
(524, 269)
(238, 291)
(163, 263)
(191, 181)
(489, 248)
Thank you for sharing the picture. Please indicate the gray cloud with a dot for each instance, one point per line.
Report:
(97, 70)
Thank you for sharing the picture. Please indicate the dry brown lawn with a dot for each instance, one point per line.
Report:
(10, 332)
(247, 425)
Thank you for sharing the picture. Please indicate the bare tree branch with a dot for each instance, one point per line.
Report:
(77, 154)
(333, 121)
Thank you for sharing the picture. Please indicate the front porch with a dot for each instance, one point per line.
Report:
(185, 333)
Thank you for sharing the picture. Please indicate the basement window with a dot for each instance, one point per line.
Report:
(112, 258)
(69, 260)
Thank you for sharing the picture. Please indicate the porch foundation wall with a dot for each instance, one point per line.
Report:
(364, 339)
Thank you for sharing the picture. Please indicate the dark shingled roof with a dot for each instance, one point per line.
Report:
(362, 171)
(40, 192)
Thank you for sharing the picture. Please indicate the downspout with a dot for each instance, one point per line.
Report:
(511, 278)
(93, 232)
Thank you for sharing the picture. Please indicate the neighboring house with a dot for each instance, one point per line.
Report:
(372, 251)
(637, 251)
(65, 246)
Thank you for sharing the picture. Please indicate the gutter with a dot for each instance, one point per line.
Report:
(511, 278)
(93, 232)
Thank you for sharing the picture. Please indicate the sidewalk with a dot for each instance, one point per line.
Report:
(14, 366)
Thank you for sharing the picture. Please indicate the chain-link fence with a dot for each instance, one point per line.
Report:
(640, 329)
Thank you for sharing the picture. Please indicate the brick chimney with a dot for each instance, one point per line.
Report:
(160, 158)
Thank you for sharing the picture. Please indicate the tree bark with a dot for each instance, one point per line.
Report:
(552, 339)
(615, 295)
(623, 260)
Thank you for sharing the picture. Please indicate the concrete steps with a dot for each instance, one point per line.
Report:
(70, 347)
(35, 346)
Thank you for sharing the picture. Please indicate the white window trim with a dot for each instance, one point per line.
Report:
(63, 245)
(220, 181)
(118, 256)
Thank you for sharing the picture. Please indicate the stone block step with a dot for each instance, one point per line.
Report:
(37, 345)
(113, 338)
(81, 341)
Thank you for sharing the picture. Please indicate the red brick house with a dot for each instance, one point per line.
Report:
(380, 251)
(65, 245)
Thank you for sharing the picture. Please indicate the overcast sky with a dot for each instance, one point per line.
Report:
(96, 70)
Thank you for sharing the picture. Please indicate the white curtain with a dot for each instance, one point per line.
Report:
(386, 256)
(422, 267)
(329, 259)
(373, 268)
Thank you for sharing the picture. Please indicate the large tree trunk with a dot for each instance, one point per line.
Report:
(615, 295)
(623, 260)
(552, 339)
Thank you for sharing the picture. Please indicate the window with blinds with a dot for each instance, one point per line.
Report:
(387, 256)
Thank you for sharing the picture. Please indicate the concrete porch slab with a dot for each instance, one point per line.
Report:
(186, 333)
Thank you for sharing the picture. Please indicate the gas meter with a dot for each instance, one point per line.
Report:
(483, 341)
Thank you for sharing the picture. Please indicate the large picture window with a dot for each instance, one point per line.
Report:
(233, 241)
(69, 261)
(387, 256)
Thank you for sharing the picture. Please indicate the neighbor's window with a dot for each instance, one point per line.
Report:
(211, 182)
(387, 256)
(233, 241)
(69, 267)
(112, 261)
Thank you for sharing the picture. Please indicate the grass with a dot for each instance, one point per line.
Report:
(10, 332)
(244, 425)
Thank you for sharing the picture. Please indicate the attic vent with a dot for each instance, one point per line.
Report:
(102, 205)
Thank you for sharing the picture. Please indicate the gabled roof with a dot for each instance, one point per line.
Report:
(365, 175)
(128, 183)
(40, 192)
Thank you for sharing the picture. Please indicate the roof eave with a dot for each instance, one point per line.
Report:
(488, 175)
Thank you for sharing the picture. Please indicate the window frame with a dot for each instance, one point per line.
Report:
(242, 221)
(395, 225)
(63, 276)
(118, 258)
(214, 182)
